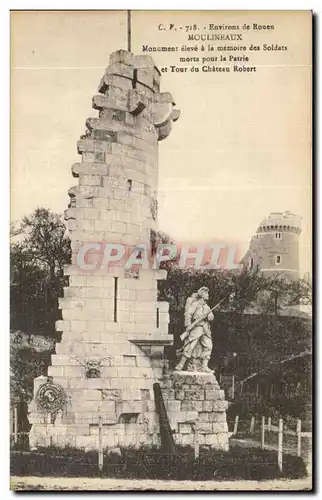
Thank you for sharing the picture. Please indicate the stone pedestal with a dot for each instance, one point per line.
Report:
(194, 402)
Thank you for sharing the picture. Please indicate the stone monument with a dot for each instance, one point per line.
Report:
(196, 350)
(195, 402)
(113, 328)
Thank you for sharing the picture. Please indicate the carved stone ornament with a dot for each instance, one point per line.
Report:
(93, 368)
(92, 365)
(50, 398)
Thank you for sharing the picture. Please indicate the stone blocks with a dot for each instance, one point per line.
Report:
(111, 349)
(194, 402)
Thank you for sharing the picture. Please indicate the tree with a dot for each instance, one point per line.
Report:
(37, 261)
(46, 240)
(28, 293)
(246, 285)
(25, 365)
(278, 292)
(300, 292)
(158, 238)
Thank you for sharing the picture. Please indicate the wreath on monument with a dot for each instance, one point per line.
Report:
(50, 398)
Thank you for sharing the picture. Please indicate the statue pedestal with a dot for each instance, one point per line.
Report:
(194, 402)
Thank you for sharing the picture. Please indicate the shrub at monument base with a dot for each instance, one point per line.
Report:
(249, 464)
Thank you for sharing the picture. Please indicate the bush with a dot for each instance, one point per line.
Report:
(237, 463)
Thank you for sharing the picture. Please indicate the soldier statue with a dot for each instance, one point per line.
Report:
(197, 343)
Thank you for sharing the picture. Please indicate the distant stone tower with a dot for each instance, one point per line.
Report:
(275, 246)
(113, 328)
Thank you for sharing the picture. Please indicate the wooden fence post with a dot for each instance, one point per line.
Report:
(100, 443)
(280, 445)
(233, 386)
(196, 443)
(298, 432)
(263, 433)
(269, 423)
(236, 424)
(15, 420)
(11, 423)
(309, 458)
(252, 425)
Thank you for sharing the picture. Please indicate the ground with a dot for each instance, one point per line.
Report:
(50, 483)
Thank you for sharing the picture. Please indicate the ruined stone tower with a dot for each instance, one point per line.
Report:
(275, 246)
(113, 328)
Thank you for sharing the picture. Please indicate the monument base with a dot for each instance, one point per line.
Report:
(196, 405)
(94, 413)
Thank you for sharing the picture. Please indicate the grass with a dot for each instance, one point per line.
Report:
(143, 463)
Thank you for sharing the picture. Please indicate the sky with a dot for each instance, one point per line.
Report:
(240, 149)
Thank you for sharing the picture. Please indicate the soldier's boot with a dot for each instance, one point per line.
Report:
(205, 367)
(181, 364)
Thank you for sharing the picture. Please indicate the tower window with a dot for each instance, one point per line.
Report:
(278, 259)
(251, 263)
(135, 78)
(115, 300)
(278, 236)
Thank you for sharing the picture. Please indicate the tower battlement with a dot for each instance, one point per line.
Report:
(140, 69)
(274, 248)
(281, 221)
